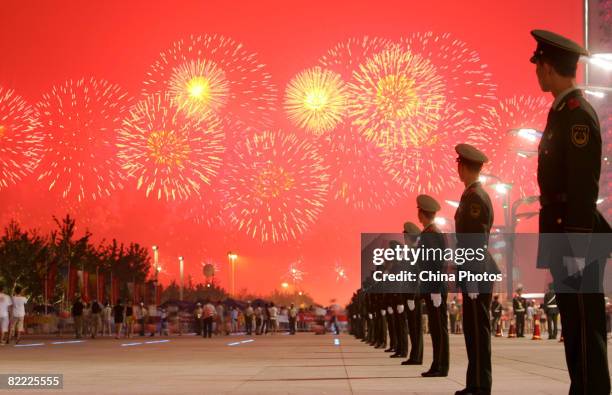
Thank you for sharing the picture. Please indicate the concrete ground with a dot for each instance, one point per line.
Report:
(279, 364)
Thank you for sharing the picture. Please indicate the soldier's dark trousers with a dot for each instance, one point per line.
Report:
(391, 329)
(248, 322)
(438, 330)
(520, 324)
(551, 321)
(477, 334)
(381, 340)
(401, 334)
(415, 329)
(370, 329)
(583, 319)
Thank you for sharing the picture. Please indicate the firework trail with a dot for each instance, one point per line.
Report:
(20, 138)
(429, 165)
(358, 178)
(80, 120)
(213, 74)
(396, 98)
(505, 147)
(277, 186)
(315, 100)
(168, 153)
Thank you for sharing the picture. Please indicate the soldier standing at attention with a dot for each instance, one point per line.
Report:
(569, 166)
(519, 305)
(496, 313)
(552, 311)
(434, 293)
(473, 222)
(413, 301)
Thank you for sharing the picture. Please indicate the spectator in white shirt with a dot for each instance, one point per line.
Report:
(5, 303)
(273, 318)
(19, 302)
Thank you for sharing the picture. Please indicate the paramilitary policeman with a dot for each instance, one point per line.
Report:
(552, 311)
(519, 305)
(411, 300)
(434, 293)
(569, 166)
(473, 222)
(496, 313)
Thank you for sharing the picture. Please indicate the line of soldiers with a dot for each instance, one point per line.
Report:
(373, 315)
(569, 165)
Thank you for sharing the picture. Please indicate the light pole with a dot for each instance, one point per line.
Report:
(232, 256)
(181, 278)
(156, 268)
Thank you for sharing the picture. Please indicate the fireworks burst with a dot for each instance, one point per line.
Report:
(277, 186)
(295, 273)
(505, 148)
(20, 138)
(80, 120)
(340, 272)
(396, 98)
(359, 179)
(168, 153)
(467, 82)
(213, 74)
(315, 100)
(346, 57)
(429, 166)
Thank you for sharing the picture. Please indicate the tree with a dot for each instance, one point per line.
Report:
(23, 259)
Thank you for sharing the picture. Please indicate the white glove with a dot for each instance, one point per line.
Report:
(400, 308)
(411, 304)
(390, 310)
(370, 315)
(354, 316)
(383, 312)
(473, 295)
(436, 299)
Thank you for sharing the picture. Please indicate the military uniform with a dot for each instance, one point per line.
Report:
(473, 222)
(519, 305)
(414, 310)
(569, 165)
(496, 313)
(437, 312)
(552, 313)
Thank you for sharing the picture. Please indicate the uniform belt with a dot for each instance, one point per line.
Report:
(546, 200)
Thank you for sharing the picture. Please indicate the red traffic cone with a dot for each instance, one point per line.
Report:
(498, 332)
(536, 330)
(512, 330)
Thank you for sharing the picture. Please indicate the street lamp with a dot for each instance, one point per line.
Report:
(181, 278)
(232, 257)
(156, 268)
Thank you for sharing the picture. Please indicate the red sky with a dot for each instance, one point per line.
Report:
(45, 43)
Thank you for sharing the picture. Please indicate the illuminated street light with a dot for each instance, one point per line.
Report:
(285, 285)
(440, 221)
(452, 203)
(529, 134)
(601, 60)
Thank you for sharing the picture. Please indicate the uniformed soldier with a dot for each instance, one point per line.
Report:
(519, 305)
(473, 222)
(552, 311)
(496, 313)
(434, 293)
(414, 311)
(569, 165)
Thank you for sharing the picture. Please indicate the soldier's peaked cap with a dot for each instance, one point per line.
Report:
(471, 153)
(427, 203)
(555, 46)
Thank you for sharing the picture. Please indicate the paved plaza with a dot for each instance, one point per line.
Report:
(279, 364)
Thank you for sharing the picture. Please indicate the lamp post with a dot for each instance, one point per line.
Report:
(156, 269)
(232, 257)
(181, 278)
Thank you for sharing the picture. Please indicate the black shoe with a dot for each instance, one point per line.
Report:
(411, 362)
(397, 356)
(380, 346)
(433, 373)
(467, 391)
(389, 350)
